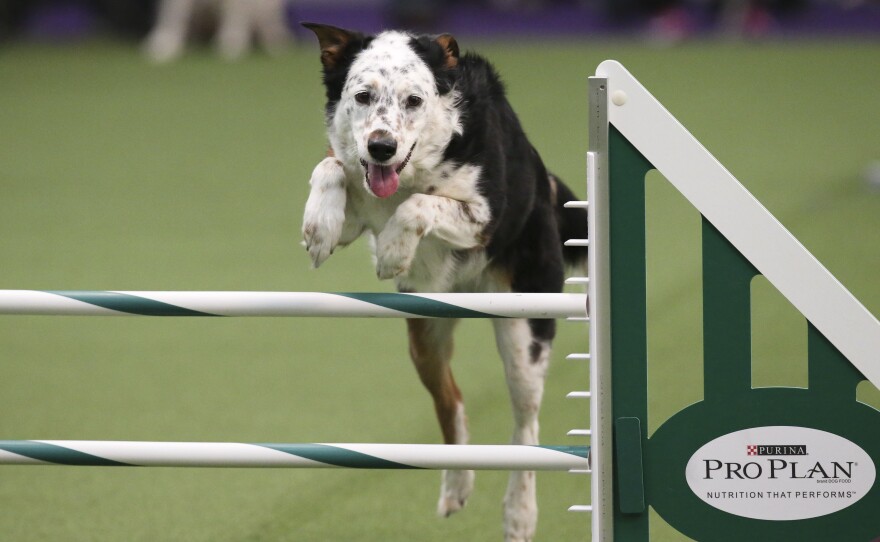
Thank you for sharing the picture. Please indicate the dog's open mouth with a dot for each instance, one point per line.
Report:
(384, 180)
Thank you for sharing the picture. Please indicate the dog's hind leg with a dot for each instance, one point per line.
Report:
(524, 346)
(430, 345)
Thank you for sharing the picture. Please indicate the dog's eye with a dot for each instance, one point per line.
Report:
(362, 97)
(413, 101)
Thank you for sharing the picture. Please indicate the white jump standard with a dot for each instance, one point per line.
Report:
(828, 491)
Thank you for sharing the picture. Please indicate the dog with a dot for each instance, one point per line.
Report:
(238, 23)
(428, 159)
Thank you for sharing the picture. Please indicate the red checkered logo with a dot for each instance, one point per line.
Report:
(751, 449)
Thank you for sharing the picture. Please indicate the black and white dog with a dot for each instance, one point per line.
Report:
(428, 158)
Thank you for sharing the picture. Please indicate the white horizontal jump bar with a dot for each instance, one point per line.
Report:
(382, 305)
(234, 454)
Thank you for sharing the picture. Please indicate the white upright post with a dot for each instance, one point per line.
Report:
(599, 306)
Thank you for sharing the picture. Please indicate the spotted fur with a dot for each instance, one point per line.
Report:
(429, 160)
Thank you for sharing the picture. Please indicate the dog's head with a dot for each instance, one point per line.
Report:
(391, 102)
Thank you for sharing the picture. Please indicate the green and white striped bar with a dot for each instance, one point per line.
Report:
(378, 305)
(233, 454)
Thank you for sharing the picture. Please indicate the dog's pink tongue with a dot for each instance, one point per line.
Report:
(383, 180)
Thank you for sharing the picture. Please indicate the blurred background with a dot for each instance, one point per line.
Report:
(168, 146)
(663, 20)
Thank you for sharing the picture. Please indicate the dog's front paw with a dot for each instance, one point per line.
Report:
(324, 216)
(320, 241)
(395, 251)
(397, 243)
(321, 232)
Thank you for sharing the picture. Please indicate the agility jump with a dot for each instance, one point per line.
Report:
(717, 470)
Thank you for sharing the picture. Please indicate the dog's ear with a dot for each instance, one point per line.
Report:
(450, 50)
(333, 41)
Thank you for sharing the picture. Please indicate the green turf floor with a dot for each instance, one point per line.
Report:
(115, 174)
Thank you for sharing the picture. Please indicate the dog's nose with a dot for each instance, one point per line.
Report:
(381, 146)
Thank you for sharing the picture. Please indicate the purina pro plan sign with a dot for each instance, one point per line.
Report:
(780, 473)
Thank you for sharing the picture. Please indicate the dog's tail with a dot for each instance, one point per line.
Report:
(572, 224)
